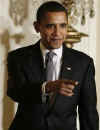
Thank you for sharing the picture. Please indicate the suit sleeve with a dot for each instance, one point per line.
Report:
(19, 89)
(88, 114)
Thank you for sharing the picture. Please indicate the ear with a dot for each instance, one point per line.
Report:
(36, 26)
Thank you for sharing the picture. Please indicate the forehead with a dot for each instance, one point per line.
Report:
(55, 17)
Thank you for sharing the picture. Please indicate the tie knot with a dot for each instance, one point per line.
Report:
(50, 55)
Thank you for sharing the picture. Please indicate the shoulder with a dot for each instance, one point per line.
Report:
(80, 61)
(78, 58)
(24, 52)
(77, 55)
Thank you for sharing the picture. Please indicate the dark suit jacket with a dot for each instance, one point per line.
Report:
(26, 75)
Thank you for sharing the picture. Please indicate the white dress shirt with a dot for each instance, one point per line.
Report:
(56, 59)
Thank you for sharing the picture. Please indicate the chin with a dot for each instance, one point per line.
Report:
(55, 47)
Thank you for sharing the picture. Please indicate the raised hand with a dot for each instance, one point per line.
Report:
(64, 87)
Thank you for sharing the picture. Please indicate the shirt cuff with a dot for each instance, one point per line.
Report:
(44, 94)
(43, 87)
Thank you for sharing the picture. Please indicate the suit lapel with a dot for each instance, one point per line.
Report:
(39, 61)
(34, 63)
(67, 65)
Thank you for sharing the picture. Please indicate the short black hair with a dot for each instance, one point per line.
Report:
(50, 6)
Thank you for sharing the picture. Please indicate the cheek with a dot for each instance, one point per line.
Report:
(47, 34)
(64, 34)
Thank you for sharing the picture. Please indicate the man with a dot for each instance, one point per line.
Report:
(50, 103)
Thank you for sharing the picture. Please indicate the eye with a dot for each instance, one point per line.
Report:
(63, 25)
(49, 26)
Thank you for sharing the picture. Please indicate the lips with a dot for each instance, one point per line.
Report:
(56, 39)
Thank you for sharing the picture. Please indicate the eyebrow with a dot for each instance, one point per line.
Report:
(55, 23)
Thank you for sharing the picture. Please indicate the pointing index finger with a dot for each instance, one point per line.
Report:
(73, 82)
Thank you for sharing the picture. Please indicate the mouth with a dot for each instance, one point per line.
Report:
(56, 39)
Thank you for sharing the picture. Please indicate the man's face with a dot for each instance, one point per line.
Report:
(53, 29)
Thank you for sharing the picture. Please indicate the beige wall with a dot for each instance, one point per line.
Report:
(98, 53)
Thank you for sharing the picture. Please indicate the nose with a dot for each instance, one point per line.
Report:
(57, 31)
